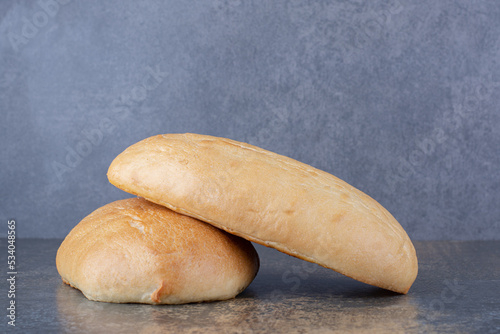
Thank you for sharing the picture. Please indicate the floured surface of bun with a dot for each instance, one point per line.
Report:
(135, 251)
(272, 200)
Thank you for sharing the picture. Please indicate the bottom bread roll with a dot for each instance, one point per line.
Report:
(134, 251)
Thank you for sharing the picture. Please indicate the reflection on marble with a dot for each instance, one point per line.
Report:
(456, 291)
(247, 313)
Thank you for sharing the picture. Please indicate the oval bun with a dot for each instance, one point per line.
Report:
(135, 251)
(273, 200)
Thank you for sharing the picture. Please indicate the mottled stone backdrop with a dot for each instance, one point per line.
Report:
(399, 98)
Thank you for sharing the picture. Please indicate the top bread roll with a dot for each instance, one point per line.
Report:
(272, 200)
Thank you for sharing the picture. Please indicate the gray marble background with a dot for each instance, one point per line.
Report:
(399, 98)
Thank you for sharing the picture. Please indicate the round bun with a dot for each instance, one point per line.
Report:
(134, 251)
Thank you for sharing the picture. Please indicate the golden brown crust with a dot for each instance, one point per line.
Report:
(135, 251)
(273, 200)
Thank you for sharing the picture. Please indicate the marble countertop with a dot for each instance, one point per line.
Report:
(457, 291)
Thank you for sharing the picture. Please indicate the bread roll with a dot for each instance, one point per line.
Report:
(272, 200)
(134, 251)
